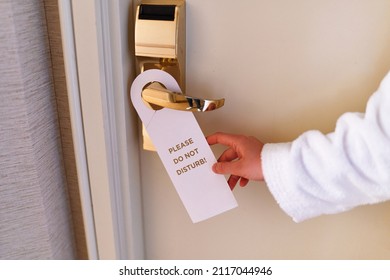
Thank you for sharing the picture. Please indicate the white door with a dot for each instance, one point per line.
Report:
(283, 67)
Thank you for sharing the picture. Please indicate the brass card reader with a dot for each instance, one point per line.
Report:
(160, 43)
(160, 38)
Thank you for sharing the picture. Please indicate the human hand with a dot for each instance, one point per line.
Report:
(242, 159)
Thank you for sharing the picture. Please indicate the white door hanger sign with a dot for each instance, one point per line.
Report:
(184, 151)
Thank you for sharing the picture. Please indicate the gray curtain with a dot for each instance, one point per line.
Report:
(35, 214)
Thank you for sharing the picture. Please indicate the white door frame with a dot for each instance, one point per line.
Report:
(99, 70)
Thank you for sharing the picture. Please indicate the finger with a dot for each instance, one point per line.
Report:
(243, 182)
(222, 138)
(228, 155)
(232, 181)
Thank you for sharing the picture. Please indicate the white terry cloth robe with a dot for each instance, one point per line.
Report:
(324, 174)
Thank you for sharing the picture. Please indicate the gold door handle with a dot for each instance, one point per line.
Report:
(158, 97)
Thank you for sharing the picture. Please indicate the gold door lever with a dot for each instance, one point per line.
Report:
(158, 97)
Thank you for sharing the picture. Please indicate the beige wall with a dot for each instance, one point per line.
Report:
(284, 67)
(35, 220)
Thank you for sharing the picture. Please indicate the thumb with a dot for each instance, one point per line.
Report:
(225, 168)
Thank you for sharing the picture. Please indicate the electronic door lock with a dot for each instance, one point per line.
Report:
(160, 38)
(160, 43)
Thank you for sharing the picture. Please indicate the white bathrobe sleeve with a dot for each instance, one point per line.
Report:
(324, 174)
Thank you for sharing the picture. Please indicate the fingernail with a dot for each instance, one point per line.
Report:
(214, 168)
